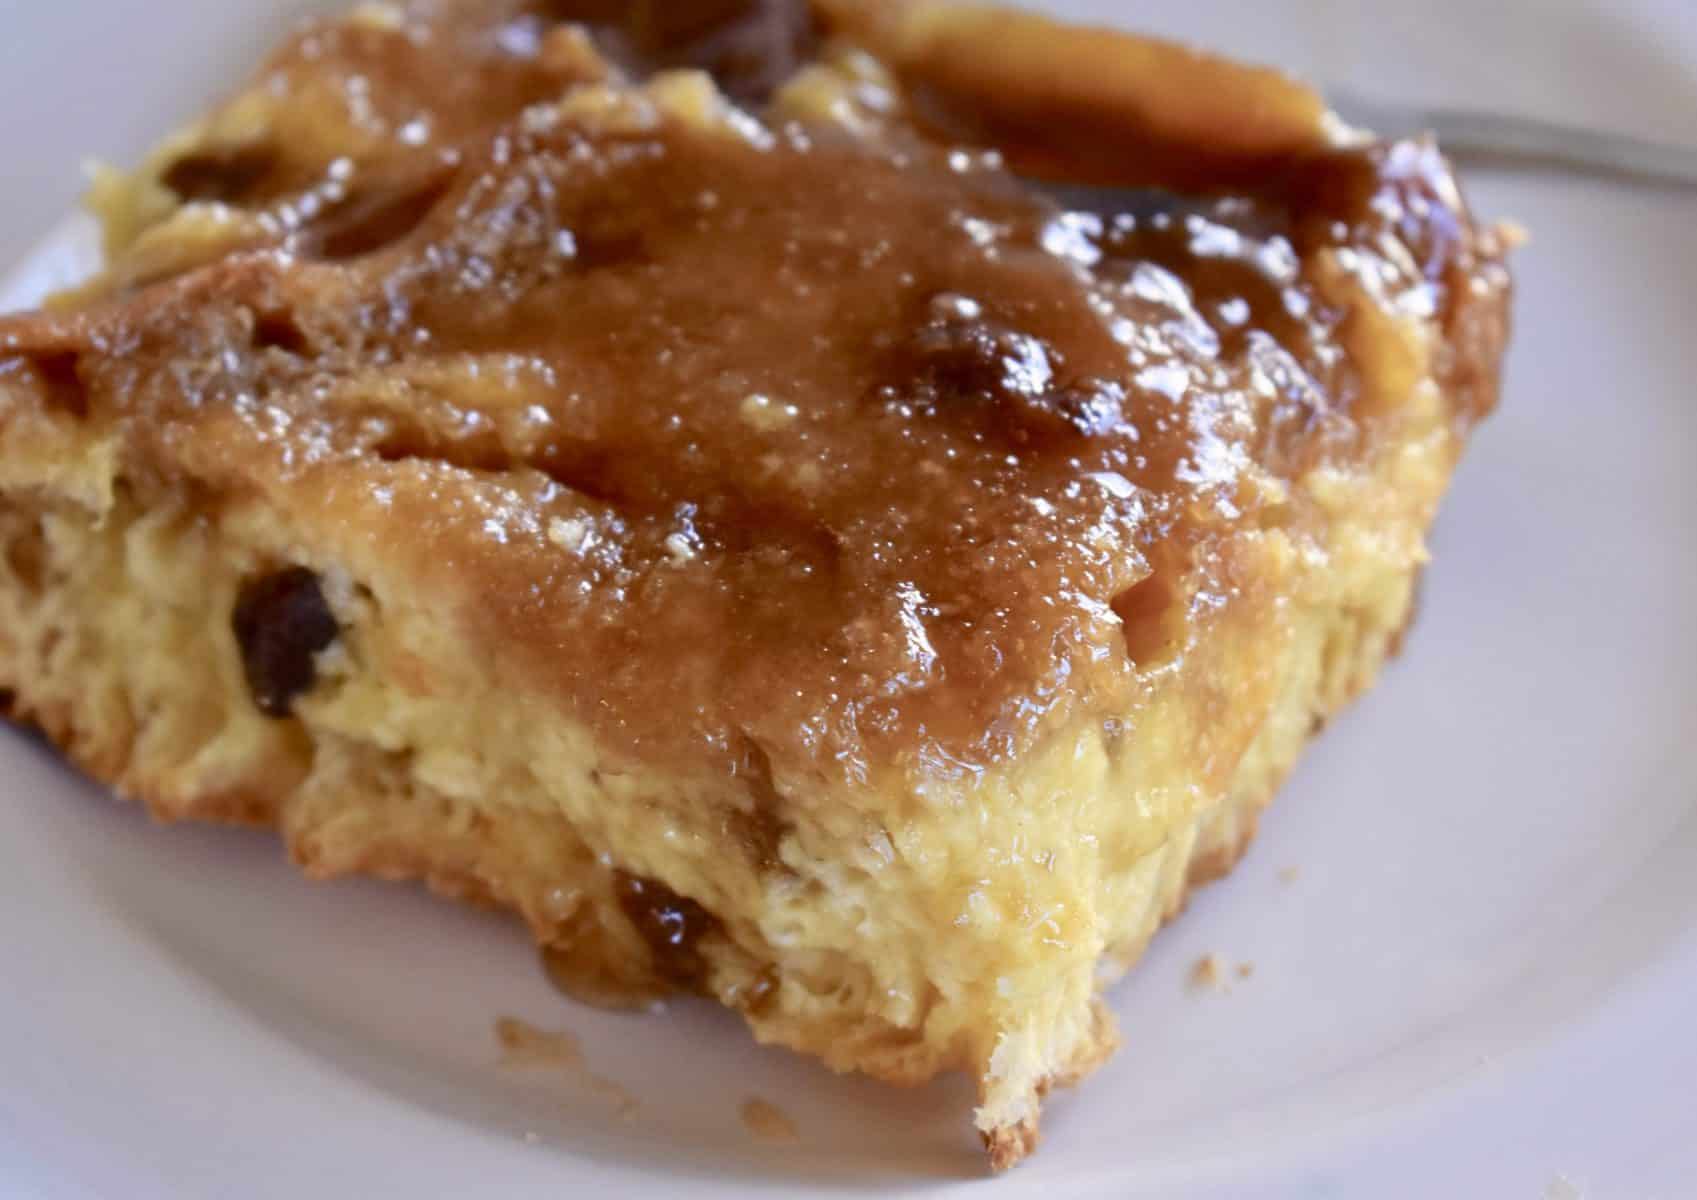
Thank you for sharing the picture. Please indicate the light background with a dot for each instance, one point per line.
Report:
(103, 78)
(1480, 986)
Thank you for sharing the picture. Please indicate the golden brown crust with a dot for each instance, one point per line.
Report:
(1219, 861)
(1008, 1144)
(1091, 105)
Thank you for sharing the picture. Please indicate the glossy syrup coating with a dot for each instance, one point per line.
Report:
(805, 425)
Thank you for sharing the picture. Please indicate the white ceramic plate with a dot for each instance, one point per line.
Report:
(1478, 985)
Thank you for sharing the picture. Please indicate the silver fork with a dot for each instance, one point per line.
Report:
(1524, 141)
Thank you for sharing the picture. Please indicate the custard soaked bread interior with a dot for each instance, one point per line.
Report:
(664, 470)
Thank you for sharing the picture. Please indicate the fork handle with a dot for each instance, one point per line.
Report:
(1528, 141)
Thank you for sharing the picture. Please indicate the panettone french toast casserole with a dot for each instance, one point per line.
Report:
(850, 510)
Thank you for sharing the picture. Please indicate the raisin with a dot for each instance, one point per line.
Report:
(229, 174)
(672, 925)
(282, 332)
(368, 223)
(960, 356)
(60, 379)
(281, 621)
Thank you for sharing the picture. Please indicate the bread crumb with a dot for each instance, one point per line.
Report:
(1290, 874)
(680, 549)
(689, 96)
(609, 111)
(1563, 1188)
(568, 50)
(765, 414)
(1213, 973)
(524, 1045)
(384, 18)
(767, 1121)
(1513, 234)
(1209, 972)
(624, 1104)
(574, 534)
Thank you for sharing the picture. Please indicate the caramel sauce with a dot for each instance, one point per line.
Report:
(281, 621)
(587, 980)
(757, 428)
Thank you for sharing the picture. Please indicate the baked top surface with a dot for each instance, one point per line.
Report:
(803, 423)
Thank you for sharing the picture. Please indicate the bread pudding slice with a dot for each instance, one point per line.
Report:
(666, 470)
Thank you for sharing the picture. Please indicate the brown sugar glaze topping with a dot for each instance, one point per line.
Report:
(820, 435)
